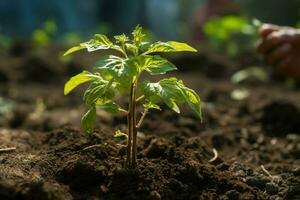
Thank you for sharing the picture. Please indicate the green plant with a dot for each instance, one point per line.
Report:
(121, 74)
(231, 34)
(43, 35)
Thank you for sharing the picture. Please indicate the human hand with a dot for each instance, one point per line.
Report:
(280, 47)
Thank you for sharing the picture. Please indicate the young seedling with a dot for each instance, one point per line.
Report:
(121, 74)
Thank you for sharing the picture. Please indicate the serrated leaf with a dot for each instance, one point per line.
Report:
(74, 49)
(157, 65)
(76, 81)
(170, 46)
(122, 70)
(172, 92)
(191, 98)
(99, 90)
(110, 107)
(119, 134)
(166, 90)
(88, 120)
(99, 42)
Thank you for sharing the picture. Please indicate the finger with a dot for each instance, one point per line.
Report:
(278, 54)
(266, 29)
(272, 40)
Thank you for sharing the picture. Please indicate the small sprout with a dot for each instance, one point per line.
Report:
(40, 107)
(121, 74)
(239, 94)
(43, 36)
(119, 134)
(257, 73)
(6, 106)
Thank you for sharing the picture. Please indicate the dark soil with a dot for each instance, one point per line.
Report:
(256, 139)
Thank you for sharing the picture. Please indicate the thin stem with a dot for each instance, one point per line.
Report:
(134, 129)
(124, 50)
(123, 110)
(142, 118)
(140, 98)
(130, 126)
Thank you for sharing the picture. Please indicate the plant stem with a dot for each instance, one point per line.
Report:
(140, 98)
(134, 129)
(129, 126)
(142, 118)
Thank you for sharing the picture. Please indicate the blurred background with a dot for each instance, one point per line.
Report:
(165, 19)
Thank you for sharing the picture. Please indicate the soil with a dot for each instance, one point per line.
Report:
(243, 149)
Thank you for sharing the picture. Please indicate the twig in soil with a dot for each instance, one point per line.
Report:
(275, 179)
(8, 149)
(215, 155)
(92, 146)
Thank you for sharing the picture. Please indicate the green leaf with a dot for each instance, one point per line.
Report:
(88, 120)
(166, 90)
(138, 35)
(110, 107)
(150, 105)
(121, 38)
(75, 81)
(74, 49)
(119, 134)
(156, 65)
(191, 98)
(172, 92)
(133, 48)
(99, 42)
(99, 91)
(122, 70)
(170, 46)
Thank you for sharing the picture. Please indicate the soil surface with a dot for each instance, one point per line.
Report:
(245, 148)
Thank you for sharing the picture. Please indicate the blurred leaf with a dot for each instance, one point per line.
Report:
(110, 107)
(250, 73)
(239, 94)
(50, 26)
(6, 106)
(40, 37)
